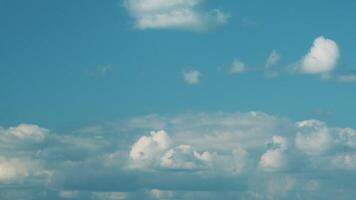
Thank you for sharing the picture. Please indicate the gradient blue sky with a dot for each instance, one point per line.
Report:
(97, 102)
(48, 47)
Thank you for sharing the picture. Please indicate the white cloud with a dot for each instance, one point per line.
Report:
(313, 137)
(347, 136)
(68, 194)
(28, 131)
(256, 155)
(274, 158)
(184, 157)
(160, 194)
(346, 78)
(344, 161)
(322, 57)
(238, 67)
(109, 195)
(148, 148)
(99, 71)
(173, 14)
(192, 77)
(11, 169)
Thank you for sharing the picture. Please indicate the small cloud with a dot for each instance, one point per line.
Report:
(192, 77)
(269, 70)
(237, 67)
(247, 22)
(174, 14)
(273, 58)
(322, 57)
(99, 71)
(346, 78)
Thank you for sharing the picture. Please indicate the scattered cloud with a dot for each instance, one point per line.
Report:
(272, 59)
(248, 22)
(174, 14)
(269, 69)
(191, 156)
(346, 77)
(192, 77)
(99, 71)
(238, 67)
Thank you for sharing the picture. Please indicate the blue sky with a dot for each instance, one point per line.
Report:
(117, 70)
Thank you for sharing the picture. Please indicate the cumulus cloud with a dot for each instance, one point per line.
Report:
(28, 131)
(190, 156)
(322, 57)
(184, 157)
(192, 77)
(147, 148)
(313, 137)
(274, 158)
(174, 14)
(11, 169)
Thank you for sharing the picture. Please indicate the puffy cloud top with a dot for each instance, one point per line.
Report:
(28, 131)
(146, 148)
(322, 57)
(196, 156)
(12, 169)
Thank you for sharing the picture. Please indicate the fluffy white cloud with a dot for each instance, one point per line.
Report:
(254, 155)
(313, 137)
(147, 148)
(28, 131)
(11, 169)
(192, 77)
(173, 14)
(184, 157)
(238, 67)
(274, 158)
(347, 137)
(322, 57)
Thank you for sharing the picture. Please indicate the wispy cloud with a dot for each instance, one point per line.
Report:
(99, 71)
(192, 77)
(272, 59)
(346, 77)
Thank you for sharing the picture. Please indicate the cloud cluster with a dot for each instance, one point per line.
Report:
(174, 14)
(192, 156)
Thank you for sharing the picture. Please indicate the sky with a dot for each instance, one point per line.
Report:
(177, 99)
